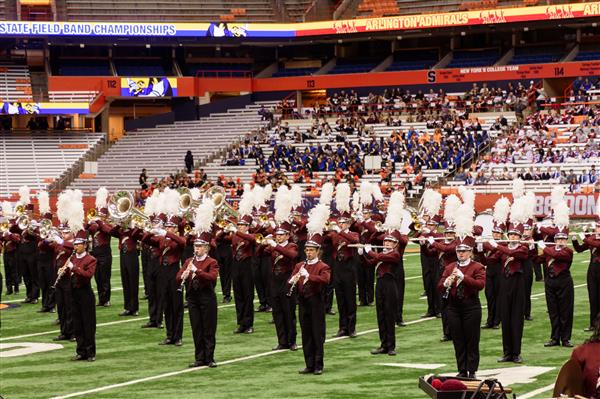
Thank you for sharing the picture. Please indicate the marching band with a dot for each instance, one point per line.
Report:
(296, 259)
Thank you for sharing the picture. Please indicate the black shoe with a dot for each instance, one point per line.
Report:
(73, 339)
(149, 325)
(61, 337)
(178, 343)
(517, 359)
(160, 326)
(77, 358)
(331, 312)
(379, 351)
(197, 364)
(528, 318)
(42, 310)
(318, 372)
(33, 301)
(438, 315)
(57, 322)
(136, 313)
(472, 374)
(589, 329)
(423, 294)
(249, 330)
(185, 305)
(280, 347)
(486, 326)
(226, 299)
(462, 374)
(505, 359)
(106, 305)
(306, 371)
(262, 308)
(268, 309)
(444, 338)
(427, 315)
(212, 365)
(392, 353)
(353, 334)
(165, 341)
(340, 333)
(539, 279)
(550, 343)
(9, 291)
(239, 330)
(496, 327)
(293, 347)
(362, 303)
(125, 313)
(26, 300)
(567, 344)
(91, 359)
(400, 324)
(52, 310)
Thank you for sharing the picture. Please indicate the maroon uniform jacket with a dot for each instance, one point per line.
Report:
(127, 238)
(299, 232)
(283, 258)
(473, 282)
(512, 259)
(340, 241)
(242, 245)
(367, 231)
(61, 252)
(591, 242)
(384, 262)
(318, 278)
(83, 270)
(205, 276)
(427, 250)
(556, 261)
(588, 357)
(265, 230)
(170, 246)
(99, 232)
(446, 251)
(490, 256)
(11, 241)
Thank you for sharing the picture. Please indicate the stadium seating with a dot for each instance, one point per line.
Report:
(72, 96)
(168, 10)
(413, 60)
(36, 159)
(473, 58)
(15, 82)
(347, 66)
(84, 68)
(141, 68)
(588, 54)
(536, 55)
(283, 72)
(296, 9)
(219, 70)
(161, 150)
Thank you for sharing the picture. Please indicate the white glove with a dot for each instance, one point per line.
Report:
(459, 274)
(193, 269)
(448, 281)
(57, 239)
(426, 230)
(493, 243)
(272, 243)
(131, 224)
(430, 240)
(480, 247)
(359, 216)
(231, 229)
(581, 236)
(304, 273)
(272, 224)
(368, 248)
(532, 246)
(541, 244)
(360, 251)
(70, 266)
(162, 232)
(336, 228)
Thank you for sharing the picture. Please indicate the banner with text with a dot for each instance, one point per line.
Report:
(581, 205)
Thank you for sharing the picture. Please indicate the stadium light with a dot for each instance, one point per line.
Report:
(148, 46)
(526, 29)
(399, 37)
(81, 45)
(463, 33)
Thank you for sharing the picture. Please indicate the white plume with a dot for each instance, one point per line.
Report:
(171, 202)
(393, 220)
(366, 193)
(464, 220)
(530, 204)
(62, 206)
(467, 195)
(76, 212)
(44, 201)
(451, 207)
(377, 194)
(283, 204)
(518, 188)
(356, 205)
(317, 217)
(501, 210)
(326, 194)
(561, 215)
(204, 216)
(7, 209)
(101, 197)
(195, 193)
(151, 206)
(557, 196)
(518, 211)
(432, 202)
(342, 197)
(296, 193)
(267, 193)
(24, 195)
(258, 196)
(247, 201)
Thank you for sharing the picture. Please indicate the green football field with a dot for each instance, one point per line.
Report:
(131, 364)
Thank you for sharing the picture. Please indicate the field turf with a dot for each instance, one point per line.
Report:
(131, 364)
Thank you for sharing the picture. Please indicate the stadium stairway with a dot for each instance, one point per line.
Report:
(161, 150)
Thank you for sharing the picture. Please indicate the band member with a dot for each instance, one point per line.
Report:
(11, 239)
(46, 271)
(153, 272)
(460, 284)
(430, 265)
(224, 257)
(512, 291)
(299, 232)
(262, 261)
(129, 265)
(592, 242)
(100, 249)
(171, 245)
(310, 279)
(493, 270)
(199, 273)
(80, 269)
(365, 275)
(528, 266)
(386, 292)
(26, 255)
(283, 258)
(587, 356)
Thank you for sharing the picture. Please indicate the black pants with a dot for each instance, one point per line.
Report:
(103, 257)
(224, 258)
(171, 300)
(261, 270)
(330, 288)
(64, 300)
(386, 293)
(312, 324)
(560, 299)
(202, 305)
(400, 284)
(512, 312)
(155, 309)
(593, 285)
(464, 318)
(430, 267)
(284, 309)
(537, 270)
(492, 291)
(345, 294)
(528, 277)
(243, 291)
(84, 320)
(46, 274)
(28, 268)
(365, 276)
(130, 278)
(145, 255)
(11, 270)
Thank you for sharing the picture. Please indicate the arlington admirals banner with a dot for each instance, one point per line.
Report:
(233, 29)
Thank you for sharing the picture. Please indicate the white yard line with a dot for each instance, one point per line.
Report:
(537, 392)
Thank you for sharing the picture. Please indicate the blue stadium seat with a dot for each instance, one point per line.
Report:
(463, 58)
(84, 68)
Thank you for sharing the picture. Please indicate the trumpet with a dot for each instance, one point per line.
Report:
(330, 225)
(4, 227)
(260, 239)
(92, 215)
(187, 229)
(295, 278)
(20, 209)
(61, 272)
(263, 218)
(185, 275)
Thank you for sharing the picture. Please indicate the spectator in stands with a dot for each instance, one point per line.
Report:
(143, 179)
(189, 161)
